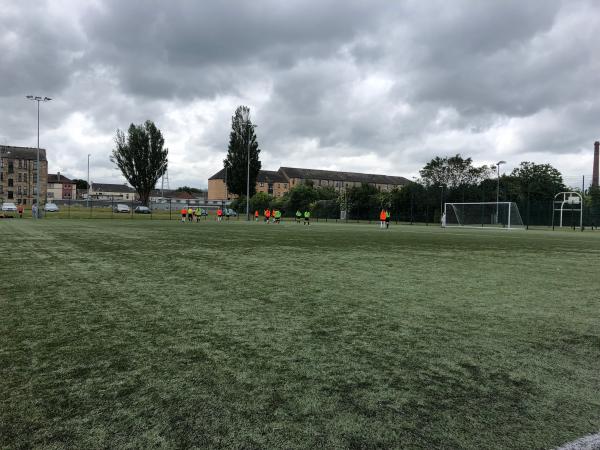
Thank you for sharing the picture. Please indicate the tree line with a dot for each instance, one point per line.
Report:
(142, 158)
(443, 179)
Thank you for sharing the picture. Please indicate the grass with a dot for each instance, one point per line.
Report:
(138, 334)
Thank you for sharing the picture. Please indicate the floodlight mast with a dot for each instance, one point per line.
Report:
(38, 99)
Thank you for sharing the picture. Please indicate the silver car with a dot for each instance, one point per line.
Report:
(9, 206)
(121, 208)
(51, 207)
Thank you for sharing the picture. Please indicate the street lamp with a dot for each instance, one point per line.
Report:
(245, 113)
(38, 99)
(498, 188)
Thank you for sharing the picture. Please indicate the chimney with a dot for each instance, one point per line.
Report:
(58, 176)
(596, 162)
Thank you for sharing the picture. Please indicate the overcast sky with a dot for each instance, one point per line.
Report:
(368, 86)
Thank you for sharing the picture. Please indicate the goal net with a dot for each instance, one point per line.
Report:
(482, 214)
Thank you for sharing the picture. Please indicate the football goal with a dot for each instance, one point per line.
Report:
(482, 214)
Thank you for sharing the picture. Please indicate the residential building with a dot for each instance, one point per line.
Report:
(18, 174)
(107, 191)
(340, 180)
(278, 183)
(268, 181)
(174, 196)
(60, 188)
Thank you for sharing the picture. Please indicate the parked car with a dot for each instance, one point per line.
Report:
(142, 210)
(121, 208)
(50, 207)
(230, 212)
(9, 206)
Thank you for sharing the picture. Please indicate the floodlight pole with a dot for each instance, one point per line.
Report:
(38, 99)
(498, 189)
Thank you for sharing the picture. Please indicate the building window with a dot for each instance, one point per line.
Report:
(11, 167)
(19, 177)
(10, 195)
(24, 201)
(24, 191)
(25, 177)
(262, 184)
(10, 182)
(19, 190)
(20, 164)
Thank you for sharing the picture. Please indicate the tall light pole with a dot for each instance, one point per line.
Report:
(88, 182)
(38, 99)
(498, 189)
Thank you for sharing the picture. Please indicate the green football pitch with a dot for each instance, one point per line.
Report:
(145, 334)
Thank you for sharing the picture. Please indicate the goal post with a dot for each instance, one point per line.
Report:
(503, 215)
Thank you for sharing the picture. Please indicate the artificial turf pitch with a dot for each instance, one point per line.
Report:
(139, 334)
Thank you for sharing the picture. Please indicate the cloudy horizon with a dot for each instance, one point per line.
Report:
(379, 87)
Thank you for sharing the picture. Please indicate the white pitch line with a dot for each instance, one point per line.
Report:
(591, 442)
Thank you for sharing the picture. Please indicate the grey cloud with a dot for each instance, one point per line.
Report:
(457, 76)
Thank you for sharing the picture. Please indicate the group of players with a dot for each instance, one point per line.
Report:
(269, 216)
(274, 216)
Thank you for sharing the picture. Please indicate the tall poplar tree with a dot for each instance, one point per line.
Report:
(241, 137)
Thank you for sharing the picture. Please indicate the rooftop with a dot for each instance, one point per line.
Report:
(270, 176)
(58, 178)
(108, 187)
(30, 153)
(333, 175)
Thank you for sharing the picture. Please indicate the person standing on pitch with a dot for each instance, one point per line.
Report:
(20, 210)
(190, 214)
(183, 214)
(382, 218)
(307, 217)
(219, 214)
(277, 216)
(267, 215)
(256, 215)
(298, 216)
(444, 220)
(197, 213)
(387, 219)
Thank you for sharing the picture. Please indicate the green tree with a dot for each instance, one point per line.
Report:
(241, 137)
(300, 197)
(259, 202)
(453, 172)
(594, 202)
(81, 185)
(538, 181)
(141, 157)
(189, 190)
(363, 201)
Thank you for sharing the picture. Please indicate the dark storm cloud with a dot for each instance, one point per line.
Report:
(351, 85)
